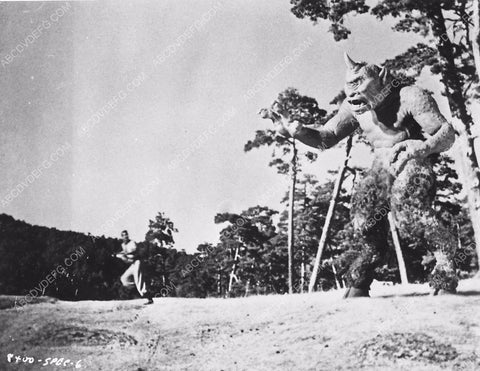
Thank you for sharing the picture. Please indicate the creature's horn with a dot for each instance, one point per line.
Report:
(351, 64)
(384, 75)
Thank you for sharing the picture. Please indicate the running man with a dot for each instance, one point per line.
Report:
(133, 275)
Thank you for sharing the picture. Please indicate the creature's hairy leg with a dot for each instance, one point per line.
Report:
(369, 217)
(412, 194)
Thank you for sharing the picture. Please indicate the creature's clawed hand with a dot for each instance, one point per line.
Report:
(282, 123)
(405, 151)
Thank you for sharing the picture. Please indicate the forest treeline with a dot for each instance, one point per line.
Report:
(250, 257)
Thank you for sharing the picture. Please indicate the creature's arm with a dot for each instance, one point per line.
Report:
(438, 131)
(338, 127)
(424, 109)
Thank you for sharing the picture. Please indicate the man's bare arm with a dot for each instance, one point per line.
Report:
(127, 257)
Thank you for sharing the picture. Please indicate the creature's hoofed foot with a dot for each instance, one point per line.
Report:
(447, 292)
(444, 282)
(443, 292)
(443, 279)
(353, 292)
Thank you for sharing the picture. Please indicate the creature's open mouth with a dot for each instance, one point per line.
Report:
(358, 103)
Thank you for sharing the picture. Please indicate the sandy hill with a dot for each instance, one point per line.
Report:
(399, 328)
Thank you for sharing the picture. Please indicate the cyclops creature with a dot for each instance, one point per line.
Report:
(405, 127)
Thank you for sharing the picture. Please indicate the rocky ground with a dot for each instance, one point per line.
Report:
(399, 328)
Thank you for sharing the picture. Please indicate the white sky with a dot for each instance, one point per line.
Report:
(93, 52)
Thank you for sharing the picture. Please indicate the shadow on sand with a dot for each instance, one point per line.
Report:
(469, 293)
(460, 293)
(401, 295)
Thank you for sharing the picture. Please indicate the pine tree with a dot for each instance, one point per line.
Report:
(292, 106)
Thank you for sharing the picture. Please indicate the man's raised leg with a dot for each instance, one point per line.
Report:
(140, 282)
(128, 277)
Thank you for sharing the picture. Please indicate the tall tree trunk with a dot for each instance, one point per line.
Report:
(457, 102)
(471, 195)
(337, 282)
(476, 35)
(302, 271)
(398, 249)
(291, 204)
(302, 253)
(247, 288)
(476, 56)
(232, 273)
(328, 218)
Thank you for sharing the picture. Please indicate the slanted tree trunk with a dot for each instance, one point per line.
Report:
(336, 191)
(291, 205)
(457, 103)
(398, 249)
